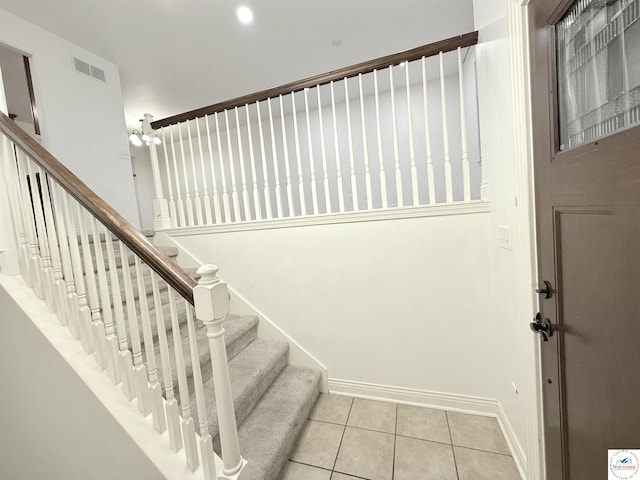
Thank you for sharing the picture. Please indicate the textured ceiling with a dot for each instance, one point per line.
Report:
(177, 55)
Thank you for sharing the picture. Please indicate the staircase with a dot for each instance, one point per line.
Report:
(271, 398)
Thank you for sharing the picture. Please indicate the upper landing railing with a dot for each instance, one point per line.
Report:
(398, 131)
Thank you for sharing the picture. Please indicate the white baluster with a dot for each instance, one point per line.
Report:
(154, 387)
(206, 442)
(171, 202)
(47, 271)
(139, 369)
(187, 189)
(196, 197)
(352, 162)
(287, 167)
(34, 263)
(312, 166)
(243, 175)
(111, 341)
(216, 197)
(12, 186)
(396, 151)
(427, 135)
(412, 148)
(276, 170)
(256, 193)
(223, 176)
(445, 135)
(323, 151)
(365, 146)
(125, 360)
(97, 332)
(188, 426)
(173, 214)
(211, 298)
(182, 220)
(383, 178)
(336, 144)
(76, 297)
(303, 205)
(171, 405)
(235, 199)
(205, 199)
(463, 133)
(265, 173)
(59, 286)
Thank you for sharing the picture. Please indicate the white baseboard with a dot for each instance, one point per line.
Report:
(438, 400)
(514, 445)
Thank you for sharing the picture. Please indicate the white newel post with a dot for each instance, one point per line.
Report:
(161, 217)
(211, 301)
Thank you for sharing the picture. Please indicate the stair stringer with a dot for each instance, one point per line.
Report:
(267, 329)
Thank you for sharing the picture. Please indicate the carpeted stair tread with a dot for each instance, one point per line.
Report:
(270, 431)
(240, 331)
(171, 252)
(251, 372)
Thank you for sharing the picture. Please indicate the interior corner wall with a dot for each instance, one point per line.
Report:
(51, 425)
(82, 119)
(506, 162)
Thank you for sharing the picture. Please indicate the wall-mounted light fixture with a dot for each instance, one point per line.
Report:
(146, 135)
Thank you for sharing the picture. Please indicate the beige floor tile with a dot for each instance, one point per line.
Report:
(342, 476)
(423, 423)
(366, 454)
(477, 465)
(380, 416)
(298, 471)
(475, 431)
(318, 444)
(420, 459)
(332, 408)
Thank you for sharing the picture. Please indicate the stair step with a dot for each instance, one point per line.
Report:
(240, 331)
(270, 431)
(252, 372)
(171, 252)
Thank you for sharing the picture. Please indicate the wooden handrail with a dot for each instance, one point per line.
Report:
(447, 45)
(110, 218)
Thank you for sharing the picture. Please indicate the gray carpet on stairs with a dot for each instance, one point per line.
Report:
(272, 400)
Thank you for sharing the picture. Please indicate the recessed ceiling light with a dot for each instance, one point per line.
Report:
(245, 15)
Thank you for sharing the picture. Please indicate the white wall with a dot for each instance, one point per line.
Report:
(504, 131)
(51, 425)
(82, 119)
(399, 302)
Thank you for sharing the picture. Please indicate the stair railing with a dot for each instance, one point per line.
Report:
(388, 133)
(105, 282)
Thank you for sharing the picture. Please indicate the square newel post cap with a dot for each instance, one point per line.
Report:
(210, 296)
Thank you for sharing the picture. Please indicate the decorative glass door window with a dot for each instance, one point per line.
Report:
(598, 55)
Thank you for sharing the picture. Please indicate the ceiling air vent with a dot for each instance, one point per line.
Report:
(89, 70)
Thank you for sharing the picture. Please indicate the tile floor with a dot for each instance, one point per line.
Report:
(348, 439)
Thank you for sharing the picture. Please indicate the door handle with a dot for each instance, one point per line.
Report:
(546, 290)
(542, 326)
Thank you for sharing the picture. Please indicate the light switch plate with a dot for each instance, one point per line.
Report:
(504, 237)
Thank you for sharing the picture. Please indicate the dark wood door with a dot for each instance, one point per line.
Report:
(586, 108)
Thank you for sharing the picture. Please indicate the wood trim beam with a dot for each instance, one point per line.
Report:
(110, 218)
(32, 95)
(429, 50)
